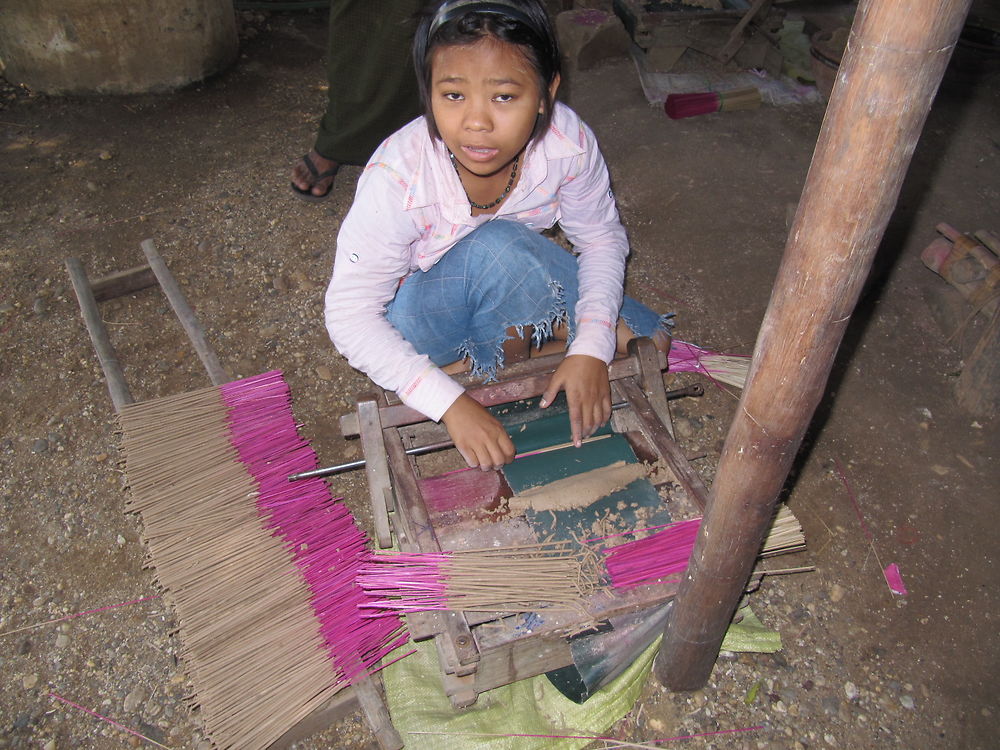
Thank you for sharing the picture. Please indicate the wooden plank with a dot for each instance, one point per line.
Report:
(507, 655)
(410, 503)
(656, 433)
(599, 606)
(736, 39)
(376, 714)
(376, 469)
(644, 351)
(521, 660)
(423, 433)
(340, 706)
(460, 689)
(978, 387)
(521, 381)
(968, 266)
(988, 239)
(488, 395)
(185, 314)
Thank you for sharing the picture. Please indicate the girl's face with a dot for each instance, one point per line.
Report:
(485, 98)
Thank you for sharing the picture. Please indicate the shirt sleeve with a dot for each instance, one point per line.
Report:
(373, 255)
(589, 217)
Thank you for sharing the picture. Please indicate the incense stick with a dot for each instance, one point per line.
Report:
(730, 369)
(511, 579)
(80, 614)
(109, 721)
(560, 574)
(666, 552)
(887, 573)
(538, 452)
(658, 556)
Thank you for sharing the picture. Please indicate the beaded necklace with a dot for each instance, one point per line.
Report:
(506, 190)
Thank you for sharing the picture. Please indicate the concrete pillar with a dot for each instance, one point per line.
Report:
(114, 46)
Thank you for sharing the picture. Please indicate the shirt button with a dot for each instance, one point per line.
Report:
(354, 257)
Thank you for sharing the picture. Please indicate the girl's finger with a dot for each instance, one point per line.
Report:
(496, 460)
(470, 460)
(575, 423)
(550, 393)
(509, 451)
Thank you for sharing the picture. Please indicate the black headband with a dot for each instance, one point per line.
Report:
(451, 11)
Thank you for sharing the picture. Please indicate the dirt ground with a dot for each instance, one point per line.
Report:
(204, 172)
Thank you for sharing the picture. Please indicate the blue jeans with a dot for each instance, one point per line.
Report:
(503, 275)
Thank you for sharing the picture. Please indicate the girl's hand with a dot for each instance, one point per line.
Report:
(588, 391)
(477, 434)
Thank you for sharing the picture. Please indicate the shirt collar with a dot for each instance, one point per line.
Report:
(434, 180)
(560, 145)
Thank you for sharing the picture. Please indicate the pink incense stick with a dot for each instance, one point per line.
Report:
(109, 721)
(322, 536)
(893, 578)
(81, 614)
(686, 357)
(658, 556)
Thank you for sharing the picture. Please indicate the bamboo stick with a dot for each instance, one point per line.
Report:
(185, 314)
(106, 355)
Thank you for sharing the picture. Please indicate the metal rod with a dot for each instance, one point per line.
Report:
(351, 465)
(695, 389)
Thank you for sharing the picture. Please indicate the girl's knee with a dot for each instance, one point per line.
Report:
(502, 253)
(506, 241)
(502, 230)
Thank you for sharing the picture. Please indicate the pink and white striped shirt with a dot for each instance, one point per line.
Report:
(410, 208)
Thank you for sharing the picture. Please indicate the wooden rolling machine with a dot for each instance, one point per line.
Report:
(463, 510)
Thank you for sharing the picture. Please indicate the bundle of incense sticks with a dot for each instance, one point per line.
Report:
(511, 579)
(666, 551)
(659, 555)
(554, 574)
(678, 106)
(725, 368)
(259, 571)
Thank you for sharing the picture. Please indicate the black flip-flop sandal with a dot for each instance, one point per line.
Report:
(307, 194)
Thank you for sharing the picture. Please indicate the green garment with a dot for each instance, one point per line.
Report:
(373, 89)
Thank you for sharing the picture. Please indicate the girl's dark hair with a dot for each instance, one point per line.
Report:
(524, 23)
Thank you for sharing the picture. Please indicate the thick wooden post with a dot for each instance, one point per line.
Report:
(896, 56)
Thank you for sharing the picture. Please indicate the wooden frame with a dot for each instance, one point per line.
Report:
(474, 653)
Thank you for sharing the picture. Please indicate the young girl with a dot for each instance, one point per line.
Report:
(440, 266)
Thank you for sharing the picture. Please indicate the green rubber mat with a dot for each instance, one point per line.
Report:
(636, 506)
